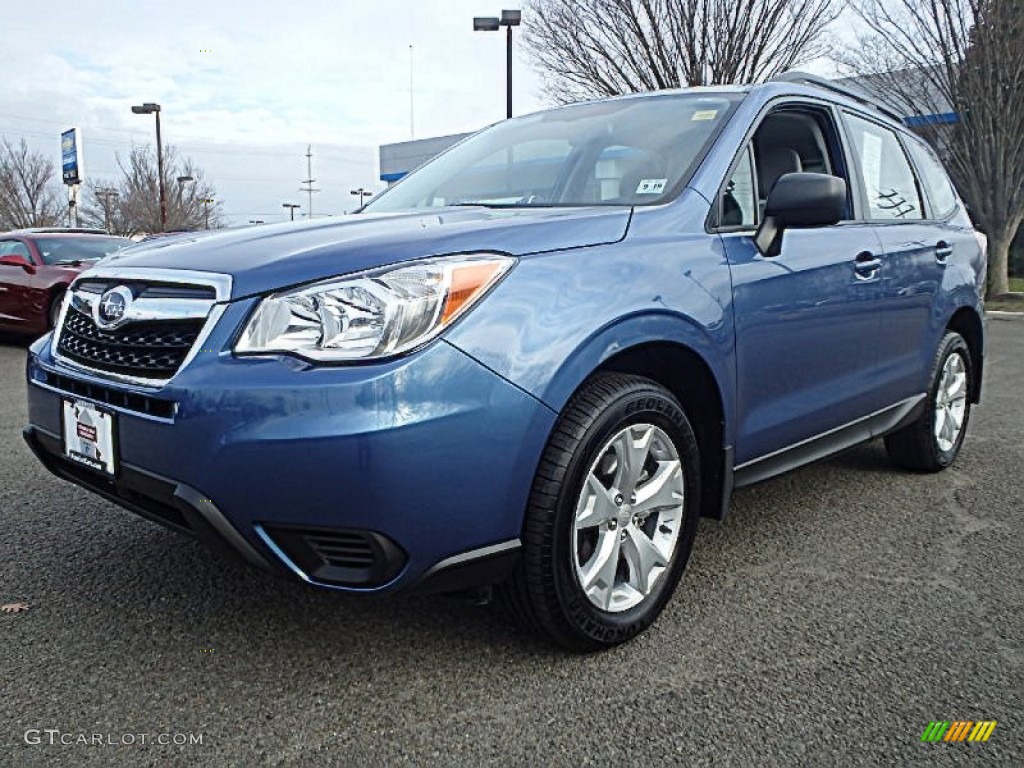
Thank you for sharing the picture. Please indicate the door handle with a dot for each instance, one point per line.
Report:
(943, 251)
(866, 265)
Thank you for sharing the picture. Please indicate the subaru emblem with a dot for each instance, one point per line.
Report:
(111, 308)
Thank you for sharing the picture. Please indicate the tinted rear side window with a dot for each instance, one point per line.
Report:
(888, 178)
(933, 176)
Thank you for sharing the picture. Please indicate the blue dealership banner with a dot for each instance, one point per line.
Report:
(71, 156)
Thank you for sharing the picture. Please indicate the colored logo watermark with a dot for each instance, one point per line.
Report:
(958, 730)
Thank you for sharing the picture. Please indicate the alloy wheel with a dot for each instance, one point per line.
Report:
(628, 518)
(950, 402)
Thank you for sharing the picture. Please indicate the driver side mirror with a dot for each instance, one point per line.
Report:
(14, 260)
(800, 200)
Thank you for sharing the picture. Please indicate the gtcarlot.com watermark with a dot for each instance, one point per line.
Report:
(57, 737)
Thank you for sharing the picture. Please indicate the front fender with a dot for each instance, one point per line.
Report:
(557, 318)
(639, 330)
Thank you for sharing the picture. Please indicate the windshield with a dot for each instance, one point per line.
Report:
(55, 250)
(632, 151)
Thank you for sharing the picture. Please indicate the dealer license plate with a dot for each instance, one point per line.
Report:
(89, 436)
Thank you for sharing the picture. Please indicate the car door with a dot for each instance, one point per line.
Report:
(15, 284)
(806, 320)
(914, 254)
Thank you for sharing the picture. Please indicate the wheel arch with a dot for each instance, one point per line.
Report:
(690, 360)
(684, 373)
(968, 323)
(54, 292)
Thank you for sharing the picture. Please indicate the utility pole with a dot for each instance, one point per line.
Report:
(309, 182)
(412, 122)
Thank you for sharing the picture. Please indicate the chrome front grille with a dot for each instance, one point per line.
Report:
(149, 350)
(163, 317)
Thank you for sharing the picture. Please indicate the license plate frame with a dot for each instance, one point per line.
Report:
(89, 436)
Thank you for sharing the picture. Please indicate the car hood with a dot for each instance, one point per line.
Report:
(269, 257)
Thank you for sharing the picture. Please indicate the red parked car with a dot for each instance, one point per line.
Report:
(36, 267)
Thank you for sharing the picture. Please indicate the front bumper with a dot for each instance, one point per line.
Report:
(422, 464)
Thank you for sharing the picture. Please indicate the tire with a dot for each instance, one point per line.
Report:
(612, 415)
(54, 311)
(924, 446)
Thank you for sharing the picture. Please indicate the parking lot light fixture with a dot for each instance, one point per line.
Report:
(291, 209)
(486, 24)
(508, 20)
(149, 108)
(362, 192)
(207, 202)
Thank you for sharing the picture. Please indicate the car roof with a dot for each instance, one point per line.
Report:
(61, 235)
(789, 84)
(58, 230)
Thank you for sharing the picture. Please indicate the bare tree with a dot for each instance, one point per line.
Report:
(135, 207)
(935, 57)
(100, 207)
(595, 48)
(28, 190)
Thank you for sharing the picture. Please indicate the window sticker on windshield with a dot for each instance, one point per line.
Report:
(651, 186)
(705, 114)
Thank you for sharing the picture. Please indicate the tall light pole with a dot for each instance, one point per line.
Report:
(150, 108)
(207, 201)
(291, 208)
(182, 181)
(107, 194)
(361, 193)
(508, 20)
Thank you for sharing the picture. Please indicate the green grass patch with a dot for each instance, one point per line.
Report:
(1005, 306)
(1017, 284)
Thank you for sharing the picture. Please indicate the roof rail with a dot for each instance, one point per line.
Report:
(60, 231)
(806, 78)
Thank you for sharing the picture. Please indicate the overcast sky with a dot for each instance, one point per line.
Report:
(245, 85)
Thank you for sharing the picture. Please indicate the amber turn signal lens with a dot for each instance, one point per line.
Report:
(467, 280)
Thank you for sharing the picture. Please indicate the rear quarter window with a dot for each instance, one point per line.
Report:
(936, 182)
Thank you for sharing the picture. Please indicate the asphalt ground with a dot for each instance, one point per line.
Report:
(839, 610)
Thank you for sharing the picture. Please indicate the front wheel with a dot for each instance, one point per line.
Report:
(932, 442)
(612, 515)
(54, 314)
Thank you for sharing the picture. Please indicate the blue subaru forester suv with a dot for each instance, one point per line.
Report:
(536, 361)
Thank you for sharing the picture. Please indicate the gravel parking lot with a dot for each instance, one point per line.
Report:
(838, 611)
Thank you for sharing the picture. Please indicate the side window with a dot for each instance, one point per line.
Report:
(889, 181)
(795, 138)
(15, 248)
(933, 176)
(739, 199)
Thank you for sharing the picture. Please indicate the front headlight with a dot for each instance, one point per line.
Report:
(371, 314)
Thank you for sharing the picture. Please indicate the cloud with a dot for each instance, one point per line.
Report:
(245, 86)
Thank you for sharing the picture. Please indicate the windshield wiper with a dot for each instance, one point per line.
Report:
(72, 262)
(516, 204)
